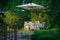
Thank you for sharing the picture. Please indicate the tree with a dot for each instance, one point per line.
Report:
(3, 3)
(11, 18)
(34, 17)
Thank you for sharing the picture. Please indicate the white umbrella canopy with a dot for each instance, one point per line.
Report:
(31, 6)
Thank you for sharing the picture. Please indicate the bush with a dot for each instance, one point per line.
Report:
(45, 35)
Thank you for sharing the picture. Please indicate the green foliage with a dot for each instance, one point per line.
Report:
(34, 17)
(26, 36)
(1, 20)
(3, 3)
(1, 24)
(45, 35)
(11, 18)
(41, 17)
(52, 5)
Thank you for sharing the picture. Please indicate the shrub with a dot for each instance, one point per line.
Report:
(45, 35)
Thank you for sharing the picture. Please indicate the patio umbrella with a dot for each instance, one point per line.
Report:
(31, 6)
